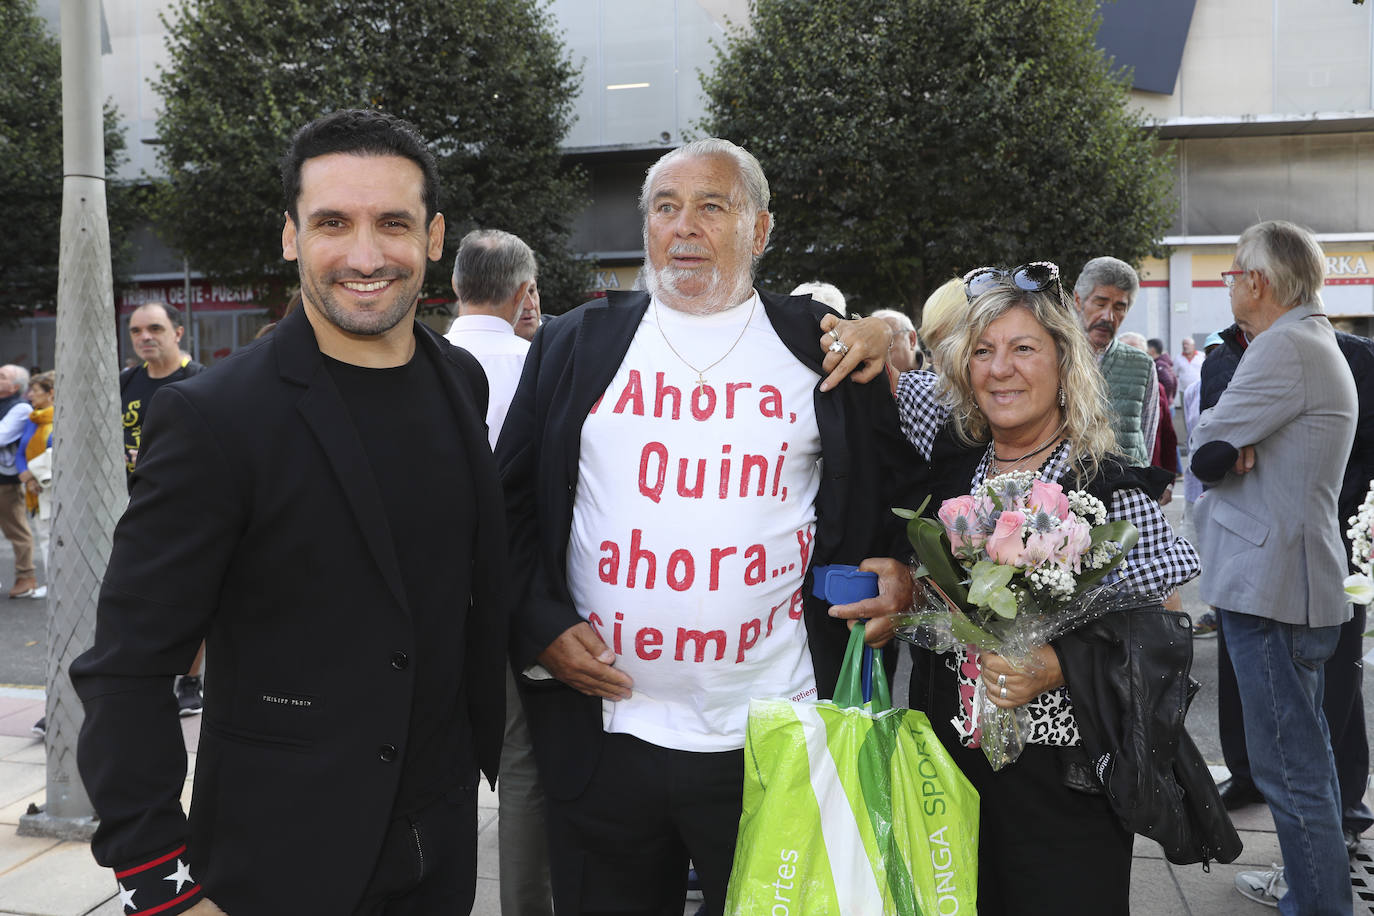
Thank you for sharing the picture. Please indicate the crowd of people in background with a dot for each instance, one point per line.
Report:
(409, 557)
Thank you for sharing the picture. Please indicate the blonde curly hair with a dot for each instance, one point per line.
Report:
(1086, 412)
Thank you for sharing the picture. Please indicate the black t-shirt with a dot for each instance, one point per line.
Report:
(403, 418)
(136, 389)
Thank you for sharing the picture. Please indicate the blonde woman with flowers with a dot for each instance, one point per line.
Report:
(1022, 392)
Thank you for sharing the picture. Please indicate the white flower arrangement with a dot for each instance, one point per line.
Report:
(1359, 588)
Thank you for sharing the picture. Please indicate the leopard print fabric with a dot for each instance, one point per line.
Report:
(1051, 713)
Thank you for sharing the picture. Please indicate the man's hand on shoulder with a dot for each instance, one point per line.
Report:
(581, 660)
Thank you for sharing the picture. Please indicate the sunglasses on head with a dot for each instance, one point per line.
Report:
(1033, 278)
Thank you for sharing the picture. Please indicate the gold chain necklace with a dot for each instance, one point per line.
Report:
(701, 373)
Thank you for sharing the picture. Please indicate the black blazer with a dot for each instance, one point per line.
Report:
(869, 468)
(256, 523)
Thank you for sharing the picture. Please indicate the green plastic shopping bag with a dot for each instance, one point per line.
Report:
(852, 808)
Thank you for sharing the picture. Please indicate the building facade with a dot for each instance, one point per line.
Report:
(1267, 105)
(1270, 113)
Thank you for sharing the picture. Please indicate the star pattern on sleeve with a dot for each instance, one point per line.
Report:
(148, 887)
(182, 875)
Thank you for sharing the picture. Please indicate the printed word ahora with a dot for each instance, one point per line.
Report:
(667, 401)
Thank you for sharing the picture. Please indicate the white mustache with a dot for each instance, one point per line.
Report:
(687, 249)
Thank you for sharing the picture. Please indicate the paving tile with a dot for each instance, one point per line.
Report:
(18, 722)
(489, 850)
(1215, 892)
(20, 779)
(1261, 849)
(1153, 889)
(488, 901)
(15, 850)
(33, 752)
(190, 731)
(10, 814)
(110, 907)
(64, 881)
(13, 744)
(1252, 817)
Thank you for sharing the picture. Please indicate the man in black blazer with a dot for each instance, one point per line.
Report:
(322, 509)
(672, 475)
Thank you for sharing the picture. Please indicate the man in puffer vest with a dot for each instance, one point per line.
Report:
(1103, 295)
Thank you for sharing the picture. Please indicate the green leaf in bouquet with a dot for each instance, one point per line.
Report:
(932, 550)
(1003, 603)
(1120, 531)
(965, 630)
(912, 513)
(988, 578)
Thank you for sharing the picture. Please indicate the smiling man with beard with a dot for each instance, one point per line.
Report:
(1103, 295)
(323, 510)
(672, 473)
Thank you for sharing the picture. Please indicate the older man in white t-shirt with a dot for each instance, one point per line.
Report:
(494, 276)
(672, 472)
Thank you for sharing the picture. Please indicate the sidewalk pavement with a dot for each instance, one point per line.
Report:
(45, 877)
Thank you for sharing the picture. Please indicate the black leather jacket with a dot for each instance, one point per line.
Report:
(1128, 674)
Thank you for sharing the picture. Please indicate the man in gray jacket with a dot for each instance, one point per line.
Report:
(1274, 449)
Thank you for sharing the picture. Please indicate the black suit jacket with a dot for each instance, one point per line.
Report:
(256, 523)
(869, 468)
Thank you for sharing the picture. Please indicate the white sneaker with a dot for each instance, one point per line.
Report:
(40, 592)
(1266, 887)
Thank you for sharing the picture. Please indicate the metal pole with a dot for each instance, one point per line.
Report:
(190, 319)
(88, 483)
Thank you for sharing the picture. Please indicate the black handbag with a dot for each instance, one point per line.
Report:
(1129, 682)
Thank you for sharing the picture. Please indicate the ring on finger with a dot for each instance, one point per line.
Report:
(1001, 680)
(834, 333)
(1002, 691)
(839, 346)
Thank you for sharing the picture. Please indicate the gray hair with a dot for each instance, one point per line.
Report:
(18, 376)
(750, 172)
(824, 293)
(1107, 271)
(902, 318)
(491, 265)
(1289, 256)
(1132, 339)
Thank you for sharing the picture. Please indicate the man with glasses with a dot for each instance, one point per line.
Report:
(1274, 451)
(1103, 295)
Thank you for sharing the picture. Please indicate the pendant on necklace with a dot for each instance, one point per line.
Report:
(701, 382)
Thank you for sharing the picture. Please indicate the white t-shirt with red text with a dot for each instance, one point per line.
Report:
(693, 525)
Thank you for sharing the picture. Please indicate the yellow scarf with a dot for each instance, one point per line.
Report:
(38, 444)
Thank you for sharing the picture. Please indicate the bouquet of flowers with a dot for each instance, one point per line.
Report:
(1359, 587)
(1007, 569)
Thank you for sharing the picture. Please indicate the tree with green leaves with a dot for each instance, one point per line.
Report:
(31, 163)
(907, 141)
(486, 82)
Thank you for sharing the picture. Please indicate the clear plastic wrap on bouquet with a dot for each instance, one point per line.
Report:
(936, 622)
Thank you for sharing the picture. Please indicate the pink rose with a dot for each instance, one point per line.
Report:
(1050, 498)
(960, 518)
(1005, 545)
